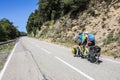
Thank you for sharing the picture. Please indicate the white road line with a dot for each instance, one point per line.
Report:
(46, 51)
(111, 60)
(90, 78)
(8, 60)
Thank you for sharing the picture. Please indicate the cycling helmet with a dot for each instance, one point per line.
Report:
(86, 32)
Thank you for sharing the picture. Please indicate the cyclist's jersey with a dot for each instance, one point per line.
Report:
(89, 36)
(81, 37)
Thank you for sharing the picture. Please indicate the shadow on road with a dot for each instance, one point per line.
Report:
(99, 61)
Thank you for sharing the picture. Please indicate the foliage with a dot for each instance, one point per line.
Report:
(7, 30)
(112, 38)
(5, 49)
(23, 34)
(117, 37)
(48, 23)
(49, 10)
(109, 39)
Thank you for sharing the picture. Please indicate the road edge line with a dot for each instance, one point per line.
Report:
(7, 62)
(90, 78)
(110, 60)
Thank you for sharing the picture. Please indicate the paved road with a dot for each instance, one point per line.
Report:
(38, 60)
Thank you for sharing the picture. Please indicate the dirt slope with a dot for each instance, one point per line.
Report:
(101, 19)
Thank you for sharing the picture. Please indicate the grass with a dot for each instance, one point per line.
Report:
(1, 65)
(4, 52)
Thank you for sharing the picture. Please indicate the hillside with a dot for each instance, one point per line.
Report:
(102, 18)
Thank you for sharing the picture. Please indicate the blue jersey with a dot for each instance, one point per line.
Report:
(79, 37)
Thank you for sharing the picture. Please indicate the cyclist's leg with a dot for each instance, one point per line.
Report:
(92, 43)
(87, 49)
(83, 46)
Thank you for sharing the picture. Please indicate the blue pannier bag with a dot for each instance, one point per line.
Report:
(91, 37)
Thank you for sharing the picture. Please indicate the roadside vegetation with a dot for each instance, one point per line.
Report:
(5, 50)
(8, 31)
(60, 21)
(51, 10)
(113, 47)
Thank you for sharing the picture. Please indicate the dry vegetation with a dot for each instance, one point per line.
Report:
(4, 52)
(102, 18)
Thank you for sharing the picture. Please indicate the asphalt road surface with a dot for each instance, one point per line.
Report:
(32, 59)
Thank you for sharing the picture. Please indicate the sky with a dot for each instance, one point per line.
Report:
(17, 11)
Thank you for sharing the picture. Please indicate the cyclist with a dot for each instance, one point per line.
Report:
(87, 39)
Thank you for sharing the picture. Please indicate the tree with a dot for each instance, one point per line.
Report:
(52, 10)
(7, 30)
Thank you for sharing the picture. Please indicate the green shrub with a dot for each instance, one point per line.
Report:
(48, 23)
(109, 39)
(117, 37)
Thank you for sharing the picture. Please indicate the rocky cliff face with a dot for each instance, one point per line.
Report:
(101, 18)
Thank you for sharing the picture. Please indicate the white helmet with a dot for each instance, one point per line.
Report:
(86, 32)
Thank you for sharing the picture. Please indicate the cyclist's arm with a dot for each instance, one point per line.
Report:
(83, 41)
